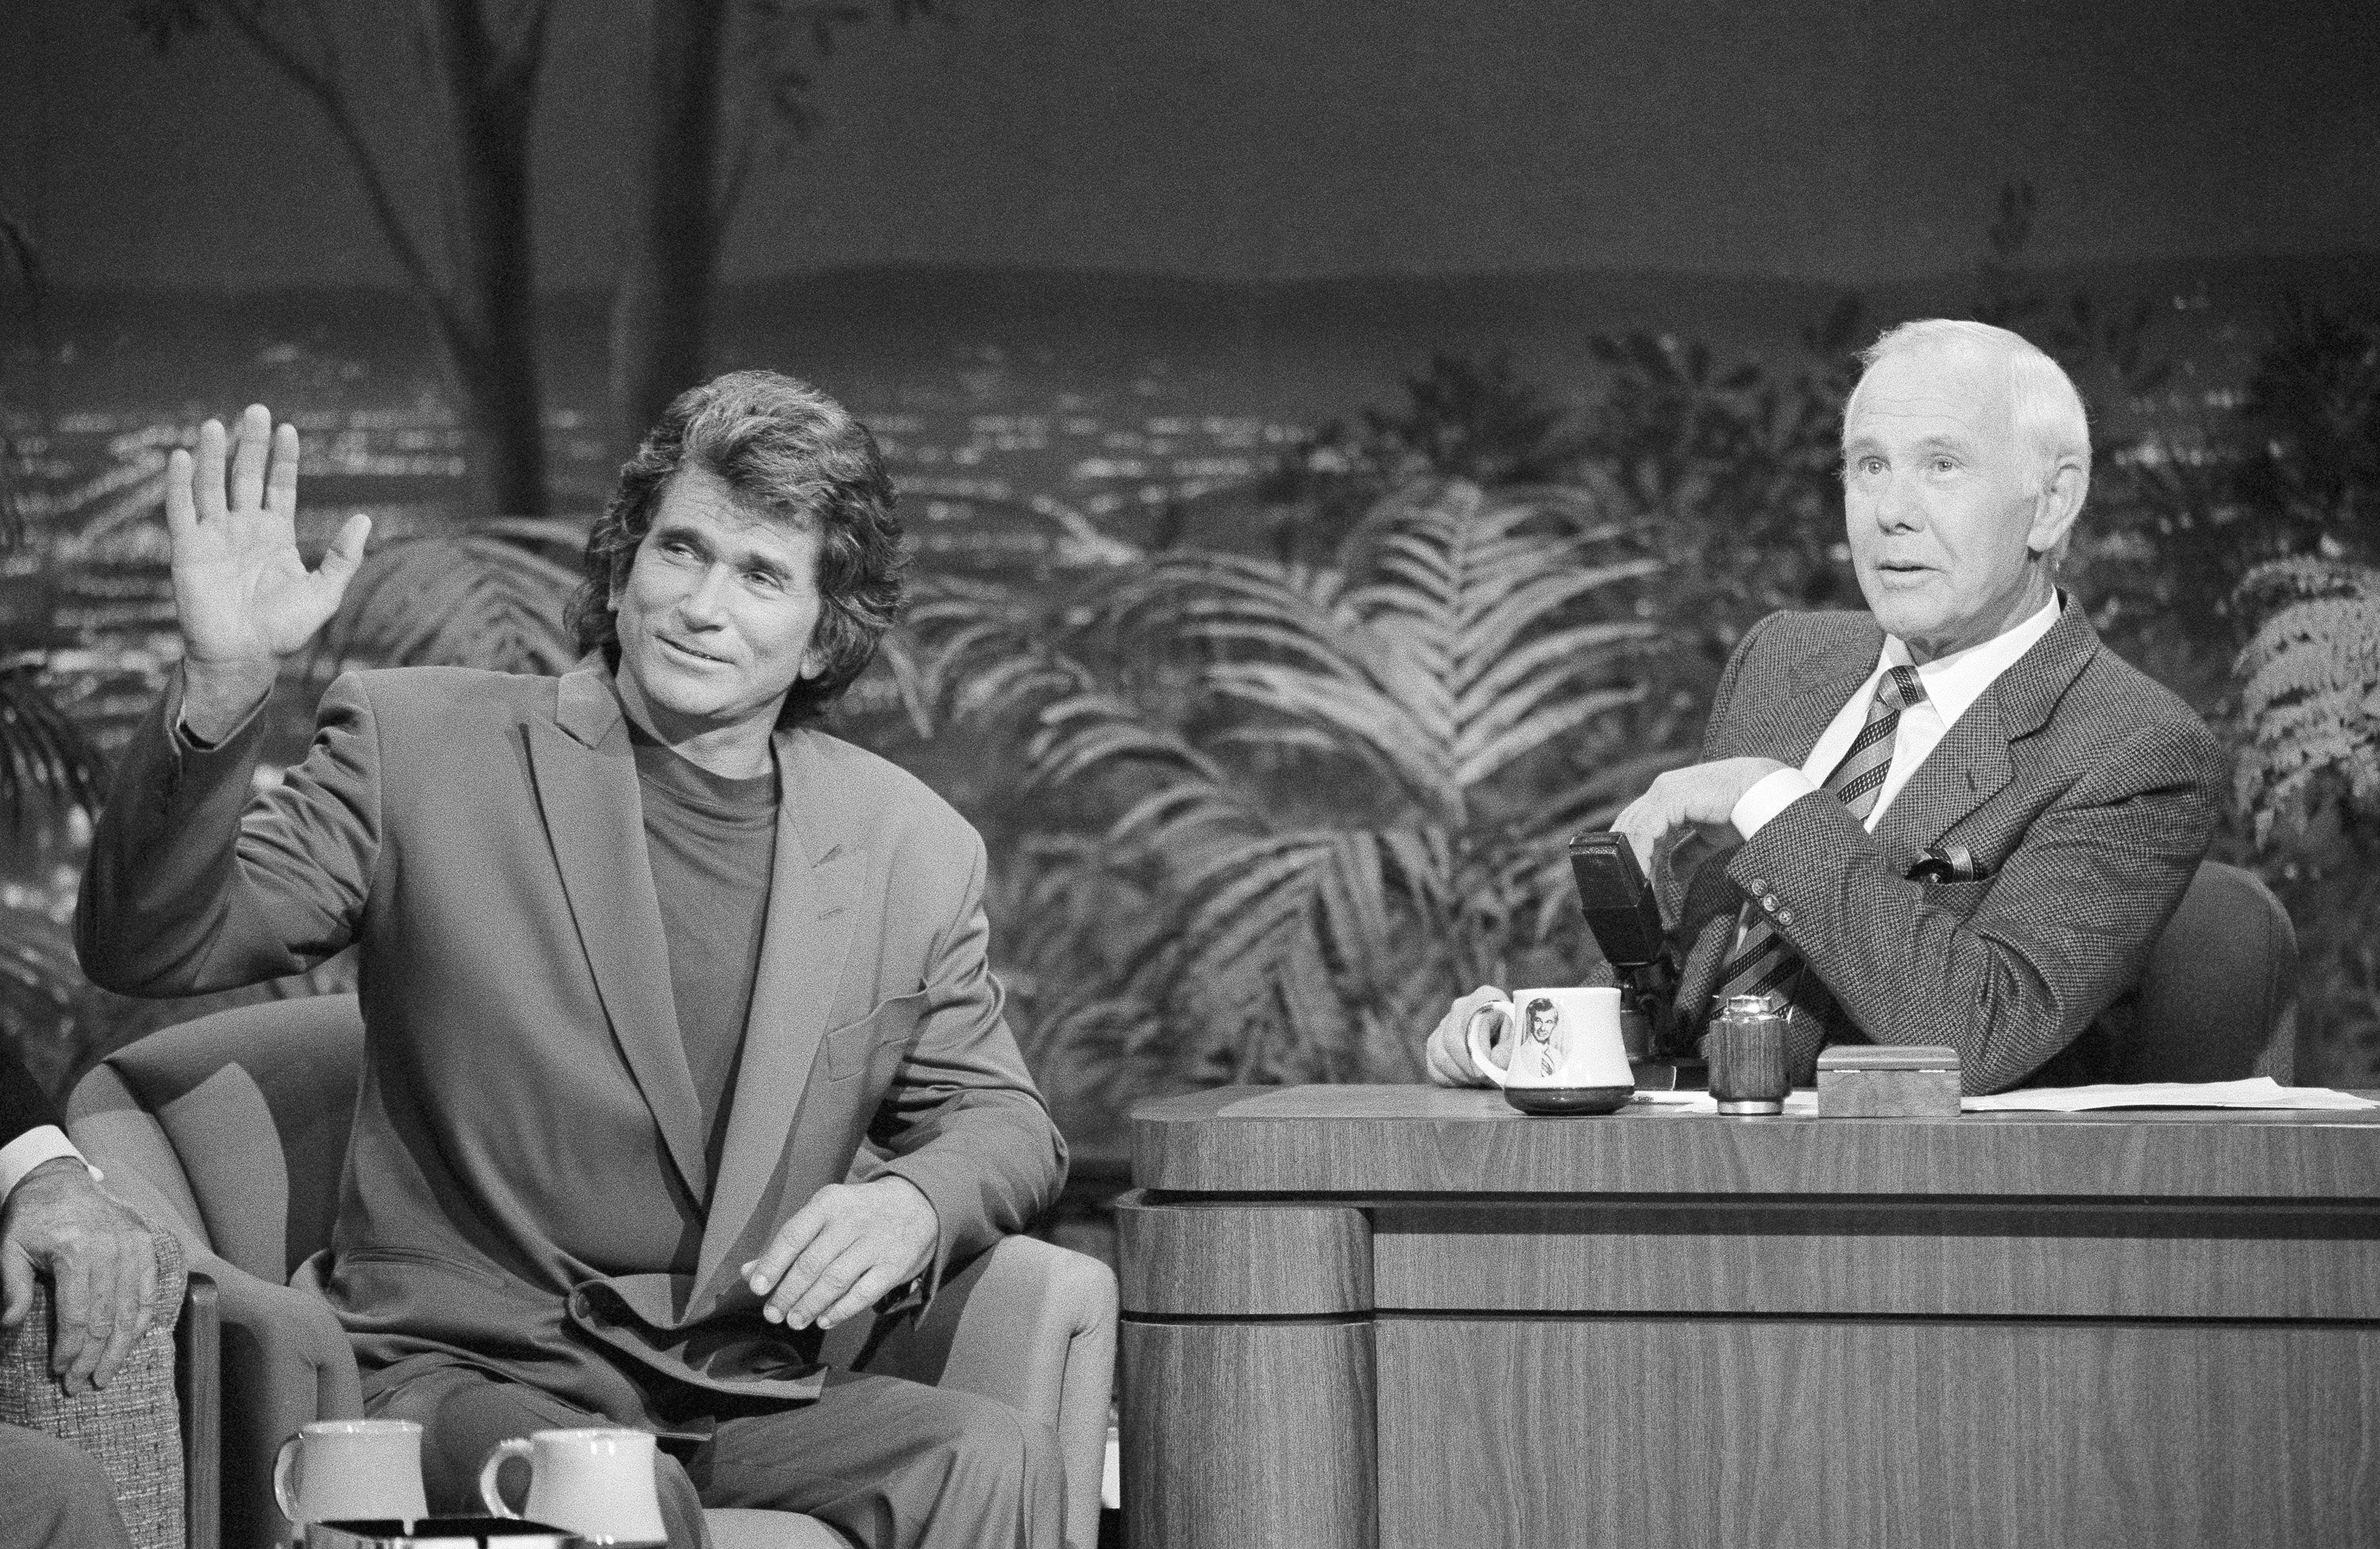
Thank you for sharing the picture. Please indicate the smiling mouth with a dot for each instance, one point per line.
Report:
(684, 650)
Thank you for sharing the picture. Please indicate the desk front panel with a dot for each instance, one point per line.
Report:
(1660, 1329)
(1748, 1433)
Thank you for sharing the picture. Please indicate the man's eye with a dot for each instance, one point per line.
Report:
(767, 580)
(1946, 465)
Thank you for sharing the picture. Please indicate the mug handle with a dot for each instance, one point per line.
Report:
(1479, 1060)
(518, 1447)
(285, 1494)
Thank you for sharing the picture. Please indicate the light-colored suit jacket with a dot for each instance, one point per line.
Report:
(527, 1189)
(2084, 790)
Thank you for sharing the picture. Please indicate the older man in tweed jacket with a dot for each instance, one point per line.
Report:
(1958, 819)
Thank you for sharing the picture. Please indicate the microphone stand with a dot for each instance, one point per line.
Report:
(1648, 1021)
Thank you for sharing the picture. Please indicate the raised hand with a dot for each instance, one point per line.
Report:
(245, 600)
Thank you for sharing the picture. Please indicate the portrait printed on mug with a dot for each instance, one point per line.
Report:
(1543, 1040)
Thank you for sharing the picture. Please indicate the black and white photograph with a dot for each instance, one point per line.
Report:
(1190, 774)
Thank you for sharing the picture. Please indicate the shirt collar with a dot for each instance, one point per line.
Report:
(1958, 681)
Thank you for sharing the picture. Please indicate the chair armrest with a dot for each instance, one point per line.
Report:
(285, 1363)
(1029, 1323)
(284, 1358)
(197, 1381)
(129, 1427)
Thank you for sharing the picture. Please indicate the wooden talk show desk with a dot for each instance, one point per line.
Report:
(1409, 1318)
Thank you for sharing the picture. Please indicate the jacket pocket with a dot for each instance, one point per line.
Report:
(423, 1259)
(849, 1048)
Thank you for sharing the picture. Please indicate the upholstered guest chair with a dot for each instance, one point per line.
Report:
(151, 1430)
(232, 1129)
(2216, 997)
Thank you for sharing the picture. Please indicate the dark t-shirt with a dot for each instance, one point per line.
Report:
(712, 841)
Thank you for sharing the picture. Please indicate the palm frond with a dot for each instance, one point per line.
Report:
(1211, 700)
(46, 763)
(1533, 725)
(2310, 693)
(1095, 732)
(481, 598)
(1366, 723)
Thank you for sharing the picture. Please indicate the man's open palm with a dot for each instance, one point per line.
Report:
(243, 596)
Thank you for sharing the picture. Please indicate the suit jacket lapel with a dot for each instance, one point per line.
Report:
(1966, 769)
(1971, 764)
(813, 890)
(586, 793)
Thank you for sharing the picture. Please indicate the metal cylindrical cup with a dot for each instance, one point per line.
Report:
(1747, 1057)
(1635, 1032)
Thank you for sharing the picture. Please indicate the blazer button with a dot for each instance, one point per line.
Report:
(1784, 917)
(1768, 900)
(1760, 885)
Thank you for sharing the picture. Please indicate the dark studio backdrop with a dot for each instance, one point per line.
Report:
(1342, 438)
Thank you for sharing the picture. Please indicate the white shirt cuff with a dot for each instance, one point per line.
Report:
(43, 1143)
(1770, 794)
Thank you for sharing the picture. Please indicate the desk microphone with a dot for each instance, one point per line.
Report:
(1625, 919)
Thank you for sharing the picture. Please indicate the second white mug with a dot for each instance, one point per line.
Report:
(1563, 1049)
(596, 1481)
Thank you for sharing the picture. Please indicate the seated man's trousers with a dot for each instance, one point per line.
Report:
(57, 1496)
(889, 1463)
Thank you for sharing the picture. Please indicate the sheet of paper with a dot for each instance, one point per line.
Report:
(2260, 1092)
(2257, 1091)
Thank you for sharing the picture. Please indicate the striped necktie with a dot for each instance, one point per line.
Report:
(1763, 959)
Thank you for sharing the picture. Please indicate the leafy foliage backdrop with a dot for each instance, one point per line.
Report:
(1288, 804)
(1257, 810)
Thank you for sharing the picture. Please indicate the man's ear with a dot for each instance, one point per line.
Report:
(2055, 508)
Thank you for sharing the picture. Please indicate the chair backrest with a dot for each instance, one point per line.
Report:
(2216, 993)
(240, 1120)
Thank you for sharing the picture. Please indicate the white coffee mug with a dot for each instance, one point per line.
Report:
(1563, 1050)
(340, 1471)
(597, 1482)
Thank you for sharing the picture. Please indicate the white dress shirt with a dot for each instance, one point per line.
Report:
(43, 1143)
(1952, 684)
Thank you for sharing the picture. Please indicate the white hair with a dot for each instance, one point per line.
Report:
(2045, 415)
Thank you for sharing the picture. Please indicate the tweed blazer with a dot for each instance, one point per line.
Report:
(478, 837)
(2084, 790)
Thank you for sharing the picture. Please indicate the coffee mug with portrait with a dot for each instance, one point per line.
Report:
(1556, 1051)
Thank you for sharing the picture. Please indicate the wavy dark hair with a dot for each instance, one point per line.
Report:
(788, 450)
